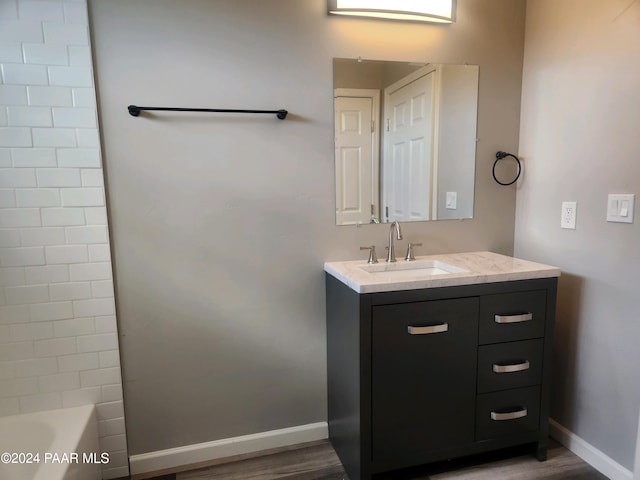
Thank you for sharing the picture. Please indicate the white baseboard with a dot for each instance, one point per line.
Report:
(228, 447)
(590, 454)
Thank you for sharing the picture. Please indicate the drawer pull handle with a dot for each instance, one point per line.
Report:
(509, 416)
(517, 367)
(428, 330)
(523, 317)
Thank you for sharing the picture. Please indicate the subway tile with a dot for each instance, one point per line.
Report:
(15, 387)
(90, 271)
(62, 216)
(87, 235)
(82, 197)
(92, 177)
(13, 94)
(113, 443)
(93, 307)
(29, 117)
(4, 121)
(109, 472)
(89, 138)
(5, 158)
(20, 31)
(98, 343)
(66, 254)
(96, 215)
(39, 237)
(17, 351)
(41, 312)
(79, 157)
(102, 376)
(110, 410)
(10, 406)
(78, 362)
(19, 217)
(40, 402)
(74, 117)
(59, 382)
(23, 332)
(9, 238)
(10, 53)
(38, 197)
(17, 178)
(66, 33)
(70, 76)
(21, 256)
(102, 289)
(35, 367)
(10, 277)
(40, 11)
(80, 55)
(106, 324)
(76, 12)
(74, 327)
(14, 314)
(84, 97)
(109, 358)
(110, 427)
(21, 74)
(58, 177)
(50, 96)
(54, 347)
(117, 459)
(70, 291)
(54, 137)
(33, 157)
(7, 369)
(45, 54)
(46, 274)
(15, 137)
(82, 396)
(9, 9)
(111, 392)
(24, 294)
(99, 253)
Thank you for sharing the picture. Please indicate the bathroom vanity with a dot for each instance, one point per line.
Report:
(439, 358)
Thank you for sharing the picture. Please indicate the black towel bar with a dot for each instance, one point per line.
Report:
(135, 110)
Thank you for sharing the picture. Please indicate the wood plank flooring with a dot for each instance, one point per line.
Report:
(318, 461)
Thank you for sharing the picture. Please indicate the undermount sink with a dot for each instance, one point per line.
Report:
(416, 269)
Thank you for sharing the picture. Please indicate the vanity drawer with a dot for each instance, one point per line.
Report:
(512, 316)
(508, 412)
(509, 365)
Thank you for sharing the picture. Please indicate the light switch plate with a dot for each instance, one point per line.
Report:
(452, 200)
(568, 218)
(620, 207)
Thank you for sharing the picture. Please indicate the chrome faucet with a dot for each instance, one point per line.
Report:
(391, 254)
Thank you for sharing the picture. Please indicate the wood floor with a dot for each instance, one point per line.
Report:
(318, 461)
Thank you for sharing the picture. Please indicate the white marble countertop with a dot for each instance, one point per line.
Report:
(479, 267)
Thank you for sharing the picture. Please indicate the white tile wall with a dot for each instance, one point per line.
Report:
(58, 329)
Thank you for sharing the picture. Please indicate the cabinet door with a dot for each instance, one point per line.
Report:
(424, 359)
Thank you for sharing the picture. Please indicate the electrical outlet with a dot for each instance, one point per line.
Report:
(568, 218)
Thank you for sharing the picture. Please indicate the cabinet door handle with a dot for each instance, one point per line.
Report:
(509, 415)
(428, 330)
(522, 317)
(513, 367)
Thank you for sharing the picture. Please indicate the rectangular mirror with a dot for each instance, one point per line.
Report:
(405, 140)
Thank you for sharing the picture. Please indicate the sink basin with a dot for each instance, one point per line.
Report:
(417, 269)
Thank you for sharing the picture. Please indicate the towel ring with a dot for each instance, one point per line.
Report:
(500, 156)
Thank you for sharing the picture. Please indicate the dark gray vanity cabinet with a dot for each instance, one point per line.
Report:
(424, 375)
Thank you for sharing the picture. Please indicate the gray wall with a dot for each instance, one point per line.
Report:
(220, 224)
(579, 141)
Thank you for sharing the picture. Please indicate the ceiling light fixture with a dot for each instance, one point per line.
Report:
(439, 11)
